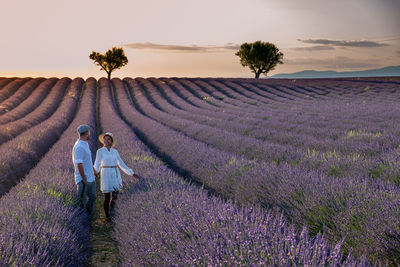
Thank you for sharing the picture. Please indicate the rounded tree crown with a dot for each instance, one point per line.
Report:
(113, 59)
(260, 57)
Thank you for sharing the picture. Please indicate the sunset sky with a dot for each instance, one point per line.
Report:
(167, 38)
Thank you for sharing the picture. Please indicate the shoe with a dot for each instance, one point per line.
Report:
(108, 220)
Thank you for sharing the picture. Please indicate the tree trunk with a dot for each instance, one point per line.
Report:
(109, 75)
(257, 75)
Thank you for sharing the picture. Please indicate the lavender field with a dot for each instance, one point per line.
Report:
(236, 172)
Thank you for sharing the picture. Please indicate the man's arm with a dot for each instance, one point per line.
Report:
(81, 172)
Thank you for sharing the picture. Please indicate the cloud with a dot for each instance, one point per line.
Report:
(182, 48)
(354, 43)
(339, 62)
(314, 48)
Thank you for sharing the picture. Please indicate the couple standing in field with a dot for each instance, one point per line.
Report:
(107, 162)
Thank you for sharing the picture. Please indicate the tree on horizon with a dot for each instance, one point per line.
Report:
(113, 59)
(260, 57)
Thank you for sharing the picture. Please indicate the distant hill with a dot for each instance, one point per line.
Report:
(387, 71)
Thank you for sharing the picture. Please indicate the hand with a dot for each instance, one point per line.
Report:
(136, 176)
(84, 180)
(94, 172)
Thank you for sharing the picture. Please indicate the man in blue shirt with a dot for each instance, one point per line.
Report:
(84, 173)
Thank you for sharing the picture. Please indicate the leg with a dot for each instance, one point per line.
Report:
(106, 204)
(91, 193)
(80, 199)
(114, 197)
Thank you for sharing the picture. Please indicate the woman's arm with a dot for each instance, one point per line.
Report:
(97, 162)
(123, 166)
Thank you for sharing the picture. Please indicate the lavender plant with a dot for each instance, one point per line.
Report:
(43, 111)
(11, 88)
(31, 103)
(296, 191)
(309, 171)
(40, 224)
(5, 81)
(20, 154)
(351, 153)
(163, 220)
(21, 94)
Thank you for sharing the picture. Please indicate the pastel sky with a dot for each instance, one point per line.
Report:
(192, 38)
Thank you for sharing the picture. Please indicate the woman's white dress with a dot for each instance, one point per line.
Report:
(110, 177)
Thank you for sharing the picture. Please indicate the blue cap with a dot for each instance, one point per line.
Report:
(83, 128)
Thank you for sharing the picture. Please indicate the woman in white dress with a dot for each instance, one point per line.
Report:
(107, 163)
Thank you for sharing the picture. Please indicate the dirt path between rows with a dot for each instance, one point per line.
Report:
(104, 247)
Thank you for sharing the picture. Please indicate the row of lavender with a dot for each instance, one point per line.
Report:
(336, 113)
(21, 153)
(22, 93)
(359, 152)
(11, 86)
(291, 112)
(35, 109)
(352, 145)
(356, 208)
(365, 124)
(355, 161)
(145, 158)
(294, 113)
(273, 121)
(23, 106)
(5, 81)
(40, 224)
(163, 220)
